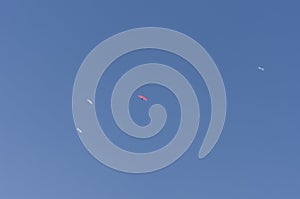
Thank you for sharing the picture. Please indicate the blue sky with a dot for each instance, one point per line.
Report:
(42, 45)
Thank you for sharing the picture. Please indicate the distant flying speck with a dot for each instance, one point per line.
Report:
(142, 97)
(90, 101)
(261, 68)
(79, 130)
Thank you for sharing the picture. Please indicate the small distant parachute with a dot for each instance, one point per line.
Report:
(143, 97)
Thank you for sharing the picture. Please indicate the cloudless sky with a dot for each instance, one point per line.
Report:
(42, 44)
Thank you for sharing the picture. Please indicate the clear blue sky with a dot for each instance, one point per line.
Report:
(42, 44)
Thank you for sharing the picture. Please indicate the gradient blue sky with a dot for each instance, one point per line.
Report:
(42, 44)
